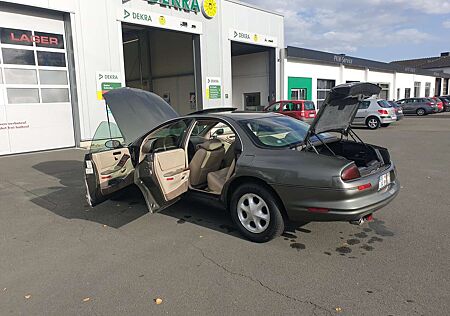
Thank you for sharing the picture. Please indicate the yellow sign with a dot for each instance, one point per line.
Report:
(255, 37)
(209, 8)
(162, 20)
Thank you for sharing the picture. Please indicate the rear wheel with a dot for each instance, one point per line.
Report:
(256, 213)
(373, 122)
(420, 112)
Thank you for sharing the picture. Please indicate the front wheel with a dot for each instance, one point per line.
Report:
(373, 122)
(256, 213)
(420, 112)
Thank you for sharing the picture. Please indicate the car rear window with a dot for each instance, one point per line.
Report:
(309, 106)
(384, 104)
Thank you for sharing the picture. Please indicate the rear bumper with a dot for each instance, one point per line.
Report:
(338, 205)
(388, 120)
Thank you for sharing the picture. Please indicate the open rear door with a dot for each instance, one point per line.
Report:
(162, 173)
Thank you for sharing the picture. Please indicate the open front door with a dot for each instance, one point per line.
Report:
(108, 166)
(162, 173)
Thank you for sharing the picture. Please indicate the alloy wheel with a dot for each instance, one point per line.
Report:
(373, 123)
(253, 213)
(420, 112)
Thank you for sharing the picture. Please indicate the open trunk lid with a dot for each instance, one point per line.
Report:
(137, 112)
(340, 107)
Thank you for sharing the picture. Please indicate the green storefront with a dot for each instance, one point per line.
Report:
(299, 88)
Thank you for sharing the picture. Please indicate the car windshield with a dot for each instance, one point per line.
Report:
(276, 132)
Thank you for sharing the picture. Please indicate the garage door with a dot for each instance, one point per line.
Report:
(35, 105)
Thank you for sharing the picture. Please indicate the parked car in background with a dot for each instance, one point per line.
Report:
(374, 113)
(299, 109)
(439, 103)
(418, 106)
(398, 110)
(446, 102)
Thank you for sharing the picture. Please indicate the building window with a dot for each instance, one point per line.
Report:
(299, 94)
(407, 93)
(428, 89)
(416, 89)
(18, 56)
(445, 87)
(323, 89)
(252, 101)
(398, 94)
(384, 93)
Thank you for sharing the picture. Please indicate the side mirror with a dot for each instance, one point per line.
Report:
(220, 131)
(113, 144)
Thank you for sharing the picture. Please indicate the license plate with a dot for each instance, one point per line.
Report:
(385, 179)
(312, 115)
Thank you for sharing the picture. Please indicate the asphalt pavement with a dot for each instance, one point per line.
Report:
(60, 257)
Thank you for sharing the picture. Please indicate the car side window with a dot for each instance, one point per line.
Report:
(288, 107)
(169, 137)
(276, 107)
(364, 105)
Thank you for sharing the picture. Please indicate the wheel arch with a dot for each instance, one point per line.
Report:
(236, 182)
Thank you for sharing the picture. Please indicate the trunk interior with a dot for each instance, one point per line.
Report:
(367, 158)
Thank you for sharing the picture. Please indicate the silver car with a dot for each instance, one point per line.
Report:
(374, 113)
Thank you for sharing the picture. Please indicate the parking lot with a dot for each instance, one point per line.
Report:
(60, 257)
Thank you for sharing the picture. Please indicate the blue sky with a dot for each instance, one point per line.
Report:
(375, 29)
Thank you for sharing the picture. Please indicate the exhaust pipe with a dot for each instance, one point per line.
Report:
(362, 220)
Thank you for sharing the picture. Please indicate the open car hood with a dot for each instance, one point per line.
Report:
(137, 112)
(340, 107)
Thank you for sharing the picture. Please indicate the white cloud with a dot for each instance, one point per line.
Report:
(446, 24)
(345, 26)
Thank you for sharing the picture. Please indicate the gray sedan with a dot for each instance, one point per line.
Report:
(265, 168)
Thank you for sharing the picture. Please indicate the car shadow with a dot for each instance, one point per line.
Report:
(68, 199)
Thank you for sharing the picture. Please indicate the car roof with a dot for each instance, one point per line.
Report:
(235, 115)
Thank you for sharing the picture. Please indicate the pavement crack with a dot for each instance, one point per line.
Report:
(263, 285)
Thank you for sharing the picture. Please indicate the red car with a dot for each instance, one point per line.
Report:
(299, 109)
(439, 103)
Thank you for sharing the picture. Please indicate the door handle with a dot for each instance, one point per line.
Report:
(117, 153)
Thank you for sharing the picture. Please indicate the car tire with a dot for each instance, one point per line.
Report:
(385, 125)
(261, 222)
(420, 112)
(373, 122)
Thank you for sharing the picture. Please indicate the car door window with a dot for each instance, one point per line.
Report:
(106, 131)
(168, 137)
(287, 107)
(274, 107)
(364, 105)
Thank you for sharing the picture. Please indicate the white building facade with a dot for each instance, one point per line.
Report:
(57, 57)
(310, 74)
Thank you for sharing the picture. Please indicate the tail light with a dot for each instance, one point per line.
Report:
(302, 113)
(430, 103)
(383, 112)
(350, 173)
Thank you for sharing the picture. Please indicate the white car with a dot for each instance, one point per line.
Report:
(374, 113)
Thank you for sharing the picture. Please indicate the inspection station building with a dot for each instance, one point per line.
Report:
(58, 57)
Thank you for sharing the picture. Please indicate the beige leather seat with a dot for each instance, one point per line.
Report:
(207, 158)
(217, 179)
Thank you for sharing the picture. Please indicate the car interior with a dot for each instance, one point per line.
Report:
(205, 162)
(211, 155)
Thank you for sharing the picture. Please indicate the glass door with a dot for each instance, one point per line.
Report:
(299, 94)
